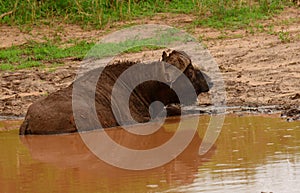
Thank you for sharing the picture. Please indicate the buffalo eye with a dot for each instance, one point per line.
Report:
(191, 73)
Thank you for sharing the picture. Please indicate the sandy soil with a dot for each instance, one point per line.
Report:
(258, 69)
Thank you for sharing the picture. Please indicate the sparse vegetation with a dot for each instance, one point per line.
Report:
(135, 44)
(36, 54)
(284, 36)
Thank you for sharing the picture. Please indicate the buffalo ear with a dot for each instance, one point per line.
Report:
(179, 59)
(164, 56)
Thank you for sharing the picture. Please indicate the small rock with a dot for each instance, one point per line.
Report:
(291, 115)
(16, 82)
(292, 112)
(296, 96)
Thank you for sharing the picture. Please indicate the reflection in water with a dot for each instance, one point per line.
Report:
(75, 154)
(252, 154)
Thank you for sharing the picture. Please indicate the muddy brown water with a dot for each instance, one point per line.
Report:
(252, 154)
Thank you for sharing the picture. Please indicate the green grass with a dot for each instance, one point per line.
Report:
(230, 15)
(284, 36)
(143, 48)
(99, 13)
(96, 13)
(36, 54)
(136, 44)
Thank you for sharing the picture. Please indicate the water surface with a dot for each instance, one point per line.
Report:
(252, 154)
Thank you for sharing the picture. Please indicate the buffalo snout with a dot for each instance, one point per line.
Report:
(200, 80)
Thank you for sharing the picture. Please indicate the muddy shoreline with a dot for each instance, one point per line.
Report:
(288, 113)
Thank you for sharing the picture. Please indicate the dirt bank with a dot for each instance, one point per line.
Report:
(260, 68)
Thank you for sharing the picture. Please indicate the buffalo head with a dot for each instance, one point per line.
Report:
(200, 81)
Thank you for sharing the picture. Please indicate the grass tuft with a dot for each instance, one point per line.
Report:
(36, 54)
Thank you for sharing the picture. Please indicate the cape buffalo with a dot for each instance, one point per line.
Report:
(54, 114)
